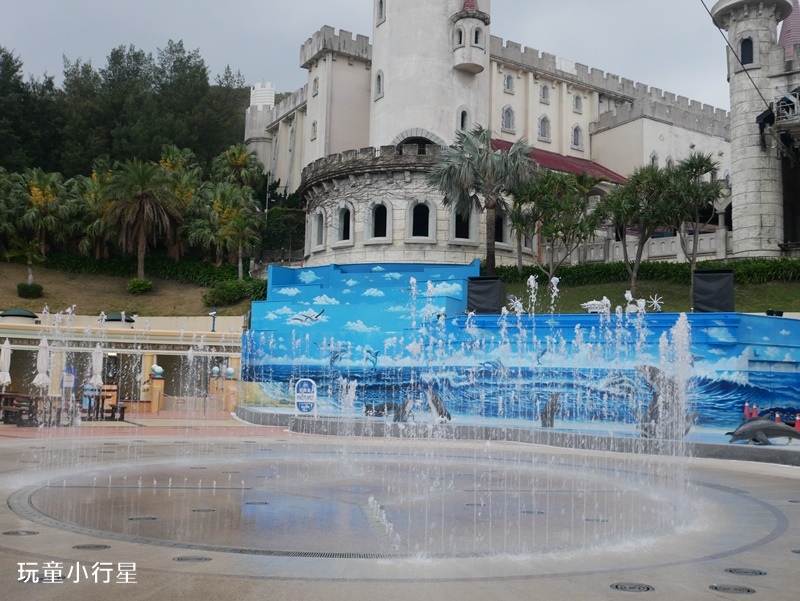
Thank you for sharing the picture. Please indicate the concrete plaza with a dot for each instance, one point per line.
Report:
(193, 507)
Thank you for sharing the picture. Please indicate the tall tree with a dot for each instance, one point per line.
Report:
(560, 212)
(472, 174)
(144, 206)
(238, 166)
(46, 212)
(638, 208)
(692, 197)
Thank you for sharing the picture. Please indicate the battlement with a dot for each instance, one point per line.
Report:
(286, 107)
(369, 160)
(611, 85)
(699, 118)
(327, 40)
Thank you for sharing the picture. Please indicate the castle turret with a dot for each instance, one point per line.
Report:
(430, 70)
(757, 190)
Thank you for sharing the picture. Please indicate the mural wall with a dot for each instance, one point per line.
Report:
(373, 334)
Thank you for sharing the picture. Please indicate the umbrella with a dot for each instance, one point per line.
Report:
(5, 364)
(42, 378)
(97, 367)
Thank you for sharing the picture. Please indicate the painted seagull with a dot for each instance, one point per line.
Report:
(308, 318)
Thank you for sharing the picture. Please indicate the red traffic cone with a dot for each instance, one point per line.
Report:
(754, 411)
(778, 417)
(746, 410)
(797, 422)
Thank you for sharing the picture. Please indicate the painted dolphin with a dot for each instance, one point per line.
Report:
(436, 405)
(381, 409)
(548, 414)
(661, 409)
(403, 411)
(761, 429)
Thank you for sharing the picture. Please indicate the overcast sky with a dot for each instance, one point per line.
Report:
(669, 44)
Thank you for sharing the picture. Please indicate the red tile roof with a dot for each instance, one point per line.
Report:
(559, 162)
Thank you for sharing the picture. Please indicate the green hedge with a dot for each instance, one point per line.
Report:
(746, 271)
(25, 290)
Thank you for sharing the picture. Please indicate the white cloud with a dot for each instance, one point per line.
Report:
(308, 277)
(325, 300)
(445, 289)
(360, 326)
(392, 276)
(377, 269)
(397, 309)
(284, 311)
(351, 282)
(374, 292)
(288, 291)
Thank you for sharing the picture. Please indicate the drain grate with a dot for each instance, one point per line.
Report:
(91, 547)
(20, 533)
(632, 587)
(142, 518)
(191, 559)
(530, 512)
(202, 510)
(732, 589)
(257, 503)
(198, 468)
(596, 520)
(794, 500)
(746, 572)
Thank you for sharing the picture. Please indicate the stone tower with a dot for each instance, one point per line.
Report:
(756, 173)
(430, 70)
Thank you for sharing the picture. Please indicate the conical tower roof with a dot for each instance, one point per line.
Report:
(473, 5)
(790, 31)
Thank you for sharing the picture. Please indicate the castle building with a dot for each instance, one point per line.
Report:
(358, 140)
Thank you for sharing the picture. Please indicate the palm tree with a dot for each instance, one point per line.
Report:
(692, 202)
(472, 174)
(239, 166)
(143, 206)
(46, 213)
(640, 204)
(559, 212)
(241, 234)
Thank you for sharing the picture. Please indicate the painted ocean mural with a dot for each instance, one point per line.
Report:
(393, 332)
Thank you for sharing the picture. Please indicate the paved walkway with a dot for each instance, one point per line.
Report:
(165, 503)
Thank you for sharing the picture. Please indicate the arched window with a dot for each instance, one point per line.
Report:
(319, 229)
(577, 104)
(508, 84)
(477, 37)
(670, 162)
(379, 85)
(380, 12)
(344, 224)
(420, 221)
(459, 39)
(379, 221)
(653, 159)
(499, 229)
(577, 137)
(544, 94)
(746, 53)
(544, 128)
(463, 120)
(461, 229)
(508, 119)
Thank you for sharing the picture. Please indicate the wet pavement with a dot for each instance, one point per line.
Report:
(210, 507)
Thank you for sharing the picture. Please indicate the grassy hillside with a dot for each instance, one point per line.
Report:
(92, 294)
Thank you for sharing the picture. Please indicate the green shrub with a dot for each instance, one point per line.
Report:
(25, 290)
(137, 286)
(228, 292)
(256, 290)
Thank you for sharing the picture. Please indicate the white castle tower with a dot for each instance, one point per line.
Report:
(430, 70)
(756, 171)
